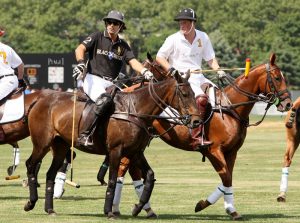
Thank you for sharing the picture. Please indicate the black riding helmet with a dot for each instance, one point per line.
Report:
(115, 15)
(186, 14)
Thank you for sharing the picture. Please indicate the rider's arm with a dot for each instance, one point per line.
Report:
(20, 71)
(136, 65)
(79, 52)
(213, 63)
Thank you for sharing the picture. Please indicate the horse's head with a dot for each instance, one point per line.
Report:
(275, 86)
(181, 97)
(155, 68)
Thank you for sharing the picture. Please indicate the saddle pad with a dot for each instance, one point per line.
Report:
(13, 110)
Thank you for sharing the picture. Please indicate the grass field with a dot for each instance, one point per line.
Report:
(182, 180)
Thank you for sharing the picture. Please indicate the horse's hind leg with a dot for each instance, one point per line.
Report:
(16, 158)
(31, 163)
(149, 183)
(59, 148)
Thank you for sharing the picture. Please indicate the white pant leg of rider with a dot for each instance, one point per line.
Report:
(229, 200)
(7, 85)
(59, 184)
(16, 156)
(94, 86)
(284, 179)
(139, 187)
(215, 196)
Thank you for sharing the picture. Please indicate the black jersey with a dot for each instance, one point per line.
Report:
(105, 57)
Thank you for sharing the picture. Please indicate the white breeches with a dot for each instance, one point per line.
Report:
(94, 86)
(7, 85)
(196, 80)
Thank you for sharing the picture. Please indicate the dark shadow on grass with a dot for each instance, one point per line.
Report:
(71, 198)
(199, 217)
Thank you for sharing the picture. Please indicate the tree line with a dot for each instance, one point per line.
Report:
(238, 29)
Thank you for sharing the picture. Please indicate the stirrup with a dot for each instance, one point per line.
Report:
(84, 140)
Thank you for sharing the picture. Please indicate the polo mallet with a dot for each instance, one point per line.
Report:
(246, 69)
(73, 132)
(12, 177)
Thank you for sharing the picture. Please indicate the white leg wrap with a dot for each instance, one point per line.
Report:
(139, 187)
(284, 179)
(117, 197)
(229, 200)
(59, 184)
(215, 196)
(16, 156)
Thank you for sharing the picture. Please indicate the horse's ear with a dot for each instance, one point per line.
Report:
(272, 58)
(149, 57)
(187, 74)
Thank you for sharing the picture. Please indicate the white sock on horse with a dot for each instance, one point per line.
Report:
(139, 187)
(16, 156)
(215, 196)
(117, 197)
(284, 179)
(229, 200)
(59, 184)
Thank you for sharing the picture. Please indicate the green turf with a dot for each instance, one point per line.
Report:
(182, 180)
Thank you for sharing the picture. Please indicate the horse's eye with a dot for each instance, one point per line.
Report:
(278, 78)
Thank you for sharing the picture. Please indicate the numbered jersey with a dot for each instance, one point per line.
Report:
(9, 59)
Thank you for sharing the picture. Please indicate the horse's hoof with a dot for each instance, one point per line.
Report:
(235, 216)
(10, 170)
(103, 183)
(117, 213)
(25, 182)
(281, 198)
(135, 210)
(151, 215)
(51, 212)
(29, 206)
(111, 216)
(200, 206)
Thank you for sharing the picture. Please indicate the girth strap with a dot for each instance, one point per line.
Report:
(137, 121)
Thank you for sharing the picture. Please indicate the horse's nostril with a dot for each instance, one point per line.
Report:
(288, 106)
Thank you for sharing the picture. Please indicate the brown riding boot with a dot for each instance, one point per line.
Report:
(200, 142)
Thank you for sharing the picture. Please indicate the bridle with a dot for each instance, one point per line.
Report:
(274, 97)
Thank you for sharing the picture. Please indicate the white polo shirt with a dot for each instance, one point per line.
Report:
(9, 59)
(184, 56)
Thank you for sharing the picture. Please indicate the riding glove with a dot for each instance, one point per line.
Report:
(221, 73)
(22, 84)
(147, 74)
(79, 70)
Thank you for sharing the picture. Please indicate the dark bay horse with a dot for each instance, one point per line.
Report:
(125, 133)
(292, 125)
(227, 127)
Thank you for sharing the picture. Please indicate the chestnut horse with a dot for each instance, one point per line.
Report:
(50, 125)
(227, 127)
(292, 142)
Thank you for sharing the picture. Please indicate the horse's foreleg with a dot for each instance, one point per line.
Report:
(148, 187)
(124, 165)
(292, 145)
(114, 162)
